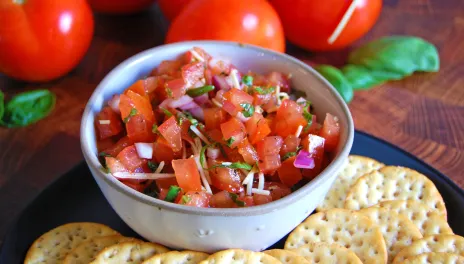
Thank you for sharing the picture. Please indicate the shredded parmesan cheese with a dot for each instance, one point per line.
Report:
(143, 176)
(104, 122)
(216, 102)
(298, 131)
(261, 181)
(160, 167)
(249, 176)
(262, 192)
(346, 17)
(235, 81)
(226, 163)
(199, 134)
(249, 187)
(202, 175)
(196, 55)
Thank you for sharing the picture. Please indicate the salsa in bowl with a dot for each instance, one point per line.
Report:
(199, 132)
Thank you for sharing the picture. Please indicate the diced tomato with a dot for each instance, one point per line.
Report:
(315, 146)
(269, 164)
(233, 130)
(247, 200)
(106, 130)
(226, 179)
(134, 185)
(138, 129)
(331, 132)
(163, 192)
(138, 126)
(222, 199)
(271, 106)
(188, 58)
(230, 108)
(166, 182)
(257, 128)
(232, 154)
(279, 79)
(162, 151)
(195, 199)
(269, 146)
(172, 133)
(214, 117)
(208, 77)
(277, 189)
(138, 87)
(238, 97)
(116, 148)
(289, 117)
(291, 144)
(215, 135)
(168, 67)
(130, 159)
(260, 99)
(193, 72)
(184, 131)
(248, 152)
(289, 174)
(175, 88)
(142, 105)
(114, 165)
(187, 174)
(259, 199)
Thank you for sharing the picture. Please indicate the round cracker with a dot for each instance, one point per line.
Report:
(176, 257)
(129, 252)
(86, 251)
(53, 246)
(287, 256)
(429, 221)
(435, 258)
(398, 231)
(239, 256)
(393, 183)
(349, 229)
(325, 253)
(437, 243)
(356, 167)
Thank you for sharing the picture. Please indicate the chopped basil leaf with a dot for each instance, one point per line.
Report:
(154, 129)
(262, 90)
(309, 117)
(172, 193)
(248, 109)
(202, 156)
(288, 155)
(153, 166)
(234, 198)
(200, 90)
(186, 199)
(169, 92)
(104, 154)
(105, 169)
(247, 80)
(230, 141)
(234, 165)
(132, 113)
(166, 112)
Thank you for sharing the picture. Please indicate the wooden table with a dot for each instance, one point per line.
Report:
(423, 114)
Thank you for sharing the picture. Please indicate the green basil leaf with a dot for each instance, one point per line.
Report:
(200, 90)
(248, 109)
(262, 90)
(338, 80)
(104, 154)
(230, 141)
(172, 193)
(186, 199)
(27, 108)
(362, 78)
(247, 80)
(234, 198)
(202, 156)
(232, 165)
(399, 56)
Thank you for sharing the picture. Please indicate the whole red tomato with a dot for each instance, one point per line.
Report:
(41, 40)
(172, 8)
(119, 6)
(311, 23)
(247, 21)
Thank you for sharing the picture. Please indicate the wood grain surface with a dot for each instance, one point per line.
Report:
(423, 114)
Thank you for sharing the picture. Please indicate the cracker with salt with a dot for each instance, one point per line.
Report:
(177, 257)
(346, 228)
(327, 253)
(428, 220)
(287, 256)
(355, 167)
(128, 252)
(437, 243)
(398, 231)
(240, 256)
(393, 183)
(86, 251)
(435, 258)
(53, 246)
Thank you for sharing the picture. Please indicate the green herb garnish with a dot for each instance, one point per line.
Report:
(202, 156)
(153, 166)
(172, 193)
(169, 92)
(248, 109)
(186, 199)
(262, 90)
(230, 141)
(166, 112)
(234, 198)
(104, 154)
(233, 165)
(200, 90)
(132, 113)
(247, 80)
(288, 155)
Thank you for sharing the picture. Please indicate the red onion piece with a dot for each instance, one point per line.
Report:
(202, 99)
(220, 83)
(213, 153)
(183, 100)
(198, 113)
(303, 160)
(114, 103)
(164, 104)
(189, 106)
(144, 150)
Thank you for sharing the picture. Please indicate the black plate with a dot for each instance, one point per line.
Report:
(76, 197)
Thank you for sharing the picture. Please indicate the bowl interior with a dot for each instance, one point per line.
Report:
(245, 57)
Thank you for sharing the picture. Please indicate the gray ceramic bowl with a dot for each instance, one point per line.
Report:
(210, 229)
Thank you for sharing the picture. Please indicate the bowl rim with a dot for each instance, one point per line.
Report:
(323, 177)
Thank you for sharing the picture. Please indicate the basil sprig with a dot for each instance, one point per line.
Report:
(26, 108)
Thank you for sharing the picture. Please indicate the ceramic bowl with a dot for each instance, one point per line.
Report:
(211, 229)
